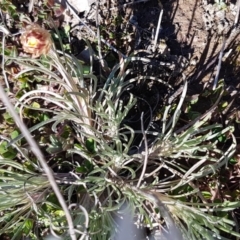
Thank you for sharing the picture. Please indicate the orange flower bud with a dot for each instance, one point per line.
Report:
(36, 40)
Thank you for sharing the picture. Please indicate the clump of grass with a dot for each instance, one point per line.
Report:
(83, 130)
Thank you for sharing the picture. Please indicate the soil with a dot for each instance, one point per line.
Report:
(131, 27)
(186, 35)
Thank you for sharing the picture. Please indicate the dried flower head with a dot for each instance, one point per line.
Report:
(36, 40)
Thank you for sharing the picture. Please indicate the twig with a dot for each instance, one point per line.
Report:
(157, 30)
(219, 65)
(237, 15)
(41, 159)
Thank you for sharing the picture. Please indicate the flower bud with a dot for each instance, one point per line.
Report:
(36, 40)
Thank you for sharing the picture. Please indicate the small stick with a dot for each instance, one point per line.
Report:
(157, 30)
(37, 152)
(219, 64)
(237, 15)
